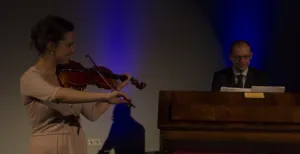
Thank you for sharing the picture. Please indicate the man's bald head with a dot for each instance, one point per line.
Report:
(239, 43)
(240, 54)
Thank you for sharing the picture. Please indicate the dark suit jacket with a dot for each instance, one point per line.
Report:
(225, 78)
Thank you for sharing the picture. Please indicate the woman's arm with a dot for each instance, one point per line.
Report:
(32, 84)
(67, 95)
(92, 111)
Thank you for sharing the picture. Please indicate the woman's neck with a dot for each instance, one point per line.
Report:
(46, 64)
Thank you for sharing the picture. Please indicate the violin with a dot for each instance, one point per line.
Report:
(75, 75)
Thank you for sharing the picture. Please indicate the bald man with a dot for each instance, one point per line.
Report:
(240, 75)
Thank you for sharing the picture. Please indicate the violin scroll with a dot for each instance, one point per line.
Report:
(139, 85)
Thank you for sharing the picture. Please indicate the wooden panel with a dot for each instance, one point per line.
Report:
(194, 110)
(236, 113)
(233, 136)
(222, 98)
(236, 142)
(224, 117)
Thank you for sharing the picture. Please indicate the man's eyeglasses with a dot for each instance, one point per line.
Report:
(241, 57)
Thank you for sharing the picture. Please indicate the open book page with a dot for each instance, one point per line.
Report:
(233, 89)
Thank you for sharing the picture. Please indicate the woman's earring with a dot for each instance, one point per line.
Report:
(51, 52)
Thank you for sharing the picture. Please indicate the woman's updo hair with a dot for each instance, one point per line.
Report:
(51, 28)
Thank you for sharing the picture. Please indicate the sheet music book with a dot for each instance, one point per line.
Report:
(268, 89)
(257, 89)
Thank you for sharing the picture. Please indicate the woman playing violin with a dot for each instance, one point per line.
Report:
(54, 111)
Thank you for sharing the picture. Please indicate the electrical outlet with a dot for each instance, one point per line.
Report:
(94, 142)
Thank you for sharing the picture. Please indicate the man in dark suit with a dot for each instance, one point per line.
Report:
(240, 75)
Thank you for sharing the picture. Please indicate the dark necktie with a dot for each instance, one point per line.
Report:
(240, 81)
